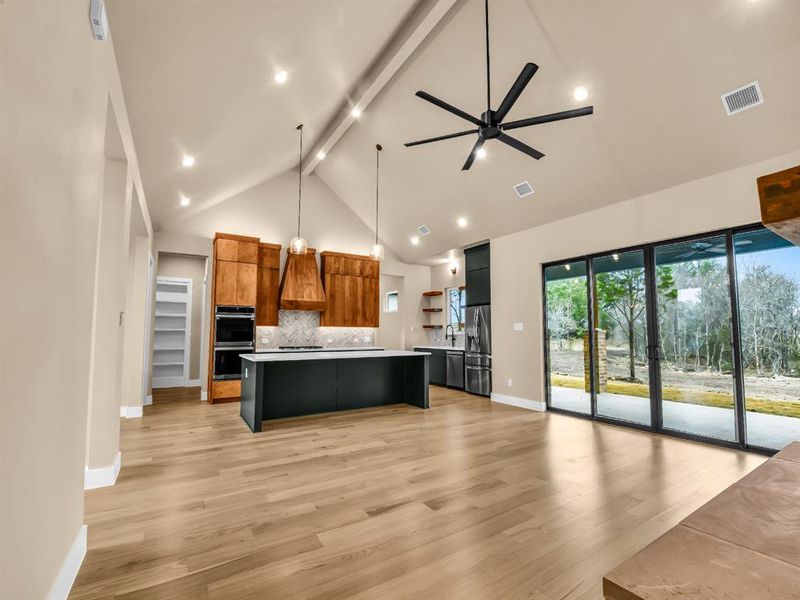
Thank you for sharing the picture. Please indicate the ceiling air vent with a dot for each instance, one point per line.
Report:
(742, 98)
(423, 230)
(523, 189)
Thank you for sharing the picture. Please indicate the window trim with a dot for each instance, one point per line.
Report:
(386, 302)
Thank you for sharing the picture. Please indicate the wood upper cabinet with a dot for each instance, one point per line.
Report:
(246, 283)
(352, 287)
(268, 294)
(248, 252)
(236, 248)
(225, 279)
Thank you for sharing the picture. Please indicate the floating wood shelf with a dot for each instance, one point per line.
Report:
(431, 326)
(432, 293)
(430, 310)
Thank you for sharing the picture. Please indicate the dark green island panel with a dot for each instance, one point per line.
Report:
(299, 384)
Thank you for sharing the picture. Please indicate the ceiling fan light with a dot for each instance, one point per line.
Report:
(298, 245)
(481, 153)
(376, 252)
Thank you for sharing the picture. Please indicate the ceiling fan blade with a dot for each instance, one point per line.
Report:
(441, 137)
(527, 73)
(472, 155)
(507, 139)
(686, 255)
(716, 250)
(565, 114)
(450, 108)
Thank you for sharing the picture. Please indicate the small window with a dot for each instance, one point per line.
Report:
(456, 308)
(392, 302)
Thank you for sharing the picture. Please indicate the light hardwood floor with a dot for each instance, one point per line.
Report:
(468, 500)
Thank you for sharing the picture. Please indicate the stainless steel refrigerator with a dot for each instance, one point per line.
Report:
(478, 346)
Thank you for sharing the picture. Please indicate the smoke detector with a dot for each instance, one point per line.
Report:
(742, 98)
(523, 189)
(423, 230)
(97, 15)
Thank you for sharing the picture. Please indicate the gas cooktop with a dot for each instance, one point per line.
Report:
(299, 347)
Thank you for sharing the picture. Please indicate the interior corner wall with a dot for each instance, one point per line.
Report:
(135, 322)
(723, 200)
(56, 81)
(109, 302)
(391, 331)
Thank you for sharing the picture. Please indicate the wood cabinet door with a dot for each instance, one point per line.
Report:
(370, 268)
(352, 267)
(334, 292)
(246, 284)
(225, 282)
(268, 297)
(226, 249)
(371, 310)
(353, 301)
(248, 252)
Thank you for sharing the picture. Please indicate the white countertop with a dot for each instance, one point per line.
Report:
(323, 349)
(450, 348)
(285, 356)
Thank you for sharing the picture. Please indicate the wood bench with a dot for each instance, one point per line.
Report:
(744, 544)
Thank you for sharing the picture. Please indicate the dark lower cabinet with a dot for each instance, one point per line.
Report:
(438, 366)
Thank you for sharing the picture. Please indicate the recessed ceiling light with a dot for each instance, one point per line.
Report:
(615, 256)
(187, 160)
(580, 93)
(567, 267)
(356, 112)
(481, 153)
(462, 222)
(185, 201)
(321, 155)
(415, 240)
(281, 77)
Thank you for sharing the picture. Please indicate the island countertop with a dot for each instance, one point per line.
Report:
(292, 384)
(332, 355)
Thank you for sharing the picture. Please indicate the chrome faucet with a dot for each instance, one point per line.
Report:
(452, 335)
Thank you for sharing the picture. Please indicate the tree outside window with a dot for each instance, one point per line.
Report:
(456, 308)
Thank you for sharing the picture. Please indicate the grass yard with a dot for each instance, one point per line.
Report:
(705, 398)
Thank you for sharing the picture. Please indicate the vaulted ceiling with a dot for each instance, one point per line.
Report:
(198, 79)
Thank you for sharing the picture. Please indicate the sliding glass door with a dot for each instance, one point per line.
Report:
(621, 345)
(694, 353)
(699, 337)
(566, 301)
(768, 290)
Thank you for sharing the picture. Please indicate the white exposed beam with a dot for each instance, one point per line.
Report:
(412, 33)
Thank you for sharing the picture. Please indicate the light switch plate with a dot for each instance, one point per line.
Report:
(509, 382)
(519, 326)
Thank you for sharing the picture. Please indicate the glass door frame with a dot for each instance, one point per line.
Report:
(654, 370)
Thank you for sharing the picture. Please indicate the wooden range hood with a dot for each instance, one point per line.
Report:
(301, 285)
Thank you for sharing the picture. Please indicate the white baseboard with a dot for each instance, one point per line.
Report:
(130, 412)
(519, 402)
(102, 476)
(148, 400)
(204, 395)
(193, 383)
(69, 568)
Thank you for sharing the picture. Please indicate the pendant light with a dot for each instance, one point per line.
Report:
(377, 249)
(299, 245)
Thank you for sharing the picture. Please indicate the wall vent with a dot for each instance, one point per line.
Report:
(523, 189)
(742, 98)
(423, 230)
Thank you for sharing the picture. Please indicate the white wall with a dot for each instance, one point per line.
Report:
(56, 83)
(723, 200)
(392, 332)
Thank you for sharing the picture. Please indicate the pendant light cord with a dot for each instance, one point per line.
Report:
(378, 149)
(488, 84)
(300, 179)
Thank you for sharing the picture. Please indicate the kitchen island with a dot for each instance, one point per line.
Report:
(291, 384)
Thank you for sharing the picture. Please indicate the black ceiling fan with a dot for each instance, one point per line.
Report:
(490, 126)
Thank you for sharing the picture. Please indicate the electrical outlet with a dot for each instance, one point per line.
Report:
(519, 326)
(330, 340)
(367, 339)
(509, 382)
(355, 339)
